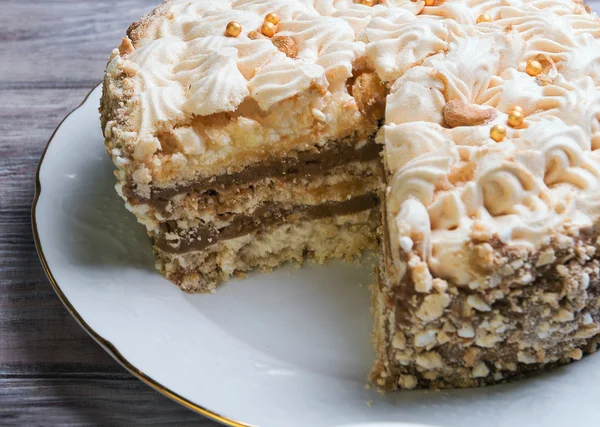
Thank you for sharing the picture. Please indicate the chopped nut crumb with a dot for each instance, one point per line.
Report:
(399, 340)
(430, 360)
(422, 277)
(471, 356)
(545, 258)
(480, 370)
(407, 382)
(477, 303)
(432, 307)
(286, 45)
(466, 332)
(426, 338)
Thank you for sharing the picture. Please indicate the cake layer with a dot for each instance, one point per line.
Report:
(312, 162)
(268, 215)
(541, 308)
(216, 208)
(341, 237)
(337, 184)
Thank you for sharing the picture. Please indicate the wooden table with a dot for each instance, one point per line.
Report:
(52, 52)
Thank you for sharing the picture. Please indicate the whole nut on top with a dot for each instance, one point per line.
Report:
(369, 92)
(286, 45)
(457, 113)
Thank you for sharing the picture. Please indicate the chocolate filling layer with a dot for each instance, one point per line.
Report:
(270, 215)
(303, 163)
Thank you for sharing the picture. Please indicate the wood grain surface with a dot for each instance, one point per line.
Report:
(52, 52)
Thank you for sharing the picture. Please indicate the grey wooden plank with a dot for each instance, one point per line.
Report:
(85, 402)
(51, 371)
(62, 43)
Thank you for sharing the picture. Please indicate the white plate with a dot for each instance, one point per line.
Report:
(290, 348)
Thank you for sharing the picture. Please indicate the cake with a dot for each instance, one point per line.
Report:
(459, 138)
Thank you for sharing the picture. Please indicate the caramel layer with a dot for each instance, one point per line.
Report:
(267, 216)
(314, 161)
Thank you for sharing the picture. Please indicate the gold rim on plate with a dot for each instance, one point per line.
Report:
(104, 343)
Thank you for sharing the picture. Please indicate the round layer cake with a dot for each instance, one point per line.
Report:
(460, 138)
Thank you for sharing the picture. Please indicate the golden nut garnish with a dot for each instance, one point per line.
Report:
(515, 118)
(484, 17)
(497, 133)
(429, 2)
(457, 113)
(233, 29)
(369, 3)
(286, 45)
(534, 68)
(273, 18)
(517, 108)
(268, 29)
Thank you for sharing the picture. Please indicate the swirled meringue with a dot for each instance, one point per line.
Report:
(184, 75)
(210, 92)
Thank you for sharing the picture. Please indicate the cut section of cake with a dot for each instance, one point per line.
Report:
(234, 151)
(458, 138)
